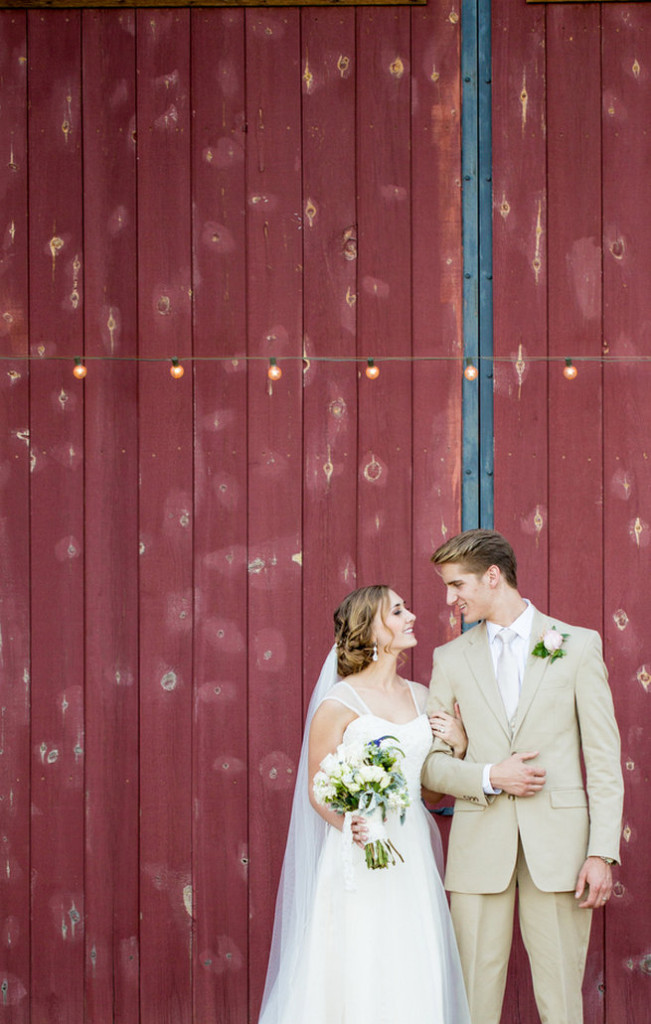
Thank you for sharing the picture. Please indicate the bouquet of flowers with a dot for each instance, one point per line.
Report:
(366, 778)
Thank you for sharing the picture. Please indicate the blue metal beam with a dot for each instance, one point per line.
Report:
(477, 447)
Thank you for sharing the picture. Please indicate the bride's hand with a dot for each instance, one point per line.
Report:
(449, 728)
(359, 830)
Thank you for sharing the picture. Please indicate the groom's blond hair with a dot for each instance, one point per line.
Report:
(476, 551)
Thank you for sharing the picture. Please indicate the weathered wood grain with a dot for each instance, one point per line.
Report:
(520, 403)
(520, 399)
(437, 312)
(574, 309)
(384, 298)
(111, 527)
(15, 738)
(329, 74)
(626, 59)
(207, 3)
(165, 515)
(220, 852)
(296, 192)
(274, 313)
(56, 520)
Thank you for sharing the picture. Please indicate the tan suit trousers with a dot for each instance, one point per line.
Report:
(555, 934)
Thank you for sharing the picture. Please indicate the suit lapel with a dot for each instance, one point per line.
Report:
(534, 670)
(480, 662)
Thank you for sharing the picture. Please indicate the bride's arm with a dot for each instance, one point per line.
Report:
(326, 733)
(450, 729)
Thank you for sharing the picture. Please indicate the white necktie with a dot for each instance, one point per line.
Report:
(508, 675)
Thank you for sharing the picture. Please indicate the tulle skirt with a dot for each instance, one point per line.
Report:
(385, 952)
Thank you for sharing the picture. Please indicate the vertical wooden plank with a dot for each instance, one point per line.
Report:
(626, 49)
(384, 297)
(520, 289)
(166, 515)
(220, 848)
(520, 332)
(574, 275)
(57, 523)
(274, 291)
(329, 70)
(15, 747)
(574, 323)
(437, 311)
(111, 517)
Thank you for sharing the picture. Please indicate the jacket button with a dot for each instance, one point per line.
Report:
(511, 796)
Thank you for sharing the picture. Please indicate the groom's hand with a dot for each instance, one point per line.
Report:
(516, 777)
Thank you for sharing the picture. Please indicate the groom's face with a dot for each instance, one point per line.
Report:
(471, 594)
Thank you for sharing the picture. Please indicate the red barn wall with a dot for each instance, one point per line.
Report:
(571, 248)
(203, 184)
(224, 186)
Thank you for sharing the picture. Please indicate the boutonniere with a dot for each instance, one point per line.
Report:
(550, 644)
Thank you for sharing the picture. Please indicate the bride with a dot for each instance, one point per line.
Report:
(353, 945)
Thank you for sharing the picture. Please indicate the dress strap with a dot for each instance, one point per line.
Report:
(362, 703)
(419, 710)
(344, 693)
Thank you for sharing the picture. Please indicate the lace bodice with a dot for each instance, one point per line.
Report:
(414, 737)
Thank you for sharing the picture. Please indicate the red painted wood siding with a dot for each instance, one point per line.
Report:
(229, 183)
(200, 184)
(111, 524)
(571, 247)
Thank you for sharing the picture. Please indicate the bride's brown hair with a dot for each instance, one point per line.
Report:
(354, 628)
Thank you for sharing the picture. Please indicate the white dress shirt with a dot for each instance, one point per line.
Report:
(520, 647)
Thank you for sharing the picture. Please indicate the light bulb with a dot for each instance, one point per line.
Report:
(274, 372)
(471, 372)
(569, 370)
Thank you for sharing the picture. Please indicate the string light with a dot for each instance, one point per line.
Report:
(79, 369)
(471, 372)
(236, 358)
(176, 369)
(569, 370)
(274, 372)
(372, 371)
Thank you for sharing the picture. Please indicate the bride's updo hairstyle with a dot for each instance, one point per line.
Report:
(354, 628)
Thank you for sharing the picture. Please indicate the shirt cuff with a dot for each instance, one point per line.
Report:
(486, 781)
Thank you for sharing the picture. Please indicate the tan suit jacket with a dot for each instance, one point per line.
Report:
(566, 713)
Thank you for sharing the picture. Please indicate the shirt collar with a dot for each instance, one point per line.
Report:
(522, 625)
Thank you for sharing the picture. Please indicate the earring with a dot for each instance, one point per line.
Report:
(375, 650)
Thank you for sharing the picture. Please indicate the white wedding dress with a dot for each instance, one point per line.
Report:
(385, 952)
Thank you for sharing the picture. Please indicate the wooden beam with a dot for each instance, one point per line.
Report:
(207, 3)
(579, 1)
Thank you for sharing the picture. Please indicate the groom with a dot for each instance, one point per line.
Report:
(535, 702)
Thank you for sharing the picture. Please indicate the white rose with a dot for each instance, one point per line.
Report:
(371, 773)
(330, 763)
(353, 752)
(350, 780)
(552, 640)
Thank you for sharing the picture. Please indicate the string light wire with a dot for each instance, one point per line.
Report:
(460, 359)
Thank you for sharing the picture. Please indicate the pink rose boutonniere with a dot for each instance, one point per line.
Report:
(550, 645)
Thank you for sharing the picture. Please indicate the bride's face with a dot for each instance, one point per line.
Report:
(393, 625)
